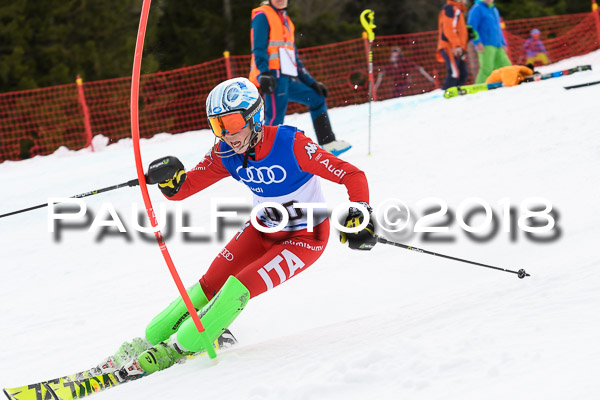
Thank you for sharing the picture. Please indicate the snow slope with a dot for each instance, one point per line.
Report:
(389, 323)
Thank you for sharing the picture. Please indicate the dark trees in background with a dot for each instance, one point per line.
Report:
(47, 43)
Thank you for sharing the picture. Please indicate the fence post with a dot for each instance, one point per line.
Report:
(503, 26)
(86, 112)
(596, 19)
(227, 64)
(436, 76)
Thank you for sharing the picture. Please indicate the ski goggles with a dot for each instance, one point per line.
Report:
(228, 124)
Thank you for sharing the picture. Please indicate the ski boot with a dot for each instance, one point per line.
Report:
(130, 350)
(326, 137)
(166, 354)
(337, 147)
(161, 356)
(130, 371)
(127, 352)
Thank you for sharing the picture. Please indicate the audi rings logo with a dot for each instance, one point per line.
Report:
(266, 175)
(227, 254)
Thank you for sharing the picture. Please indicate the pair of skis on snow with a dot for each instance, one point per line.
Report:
(85, 383)
(481, 87)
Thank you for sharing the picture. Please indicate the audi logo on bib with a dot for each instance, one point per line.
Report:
(266, 175)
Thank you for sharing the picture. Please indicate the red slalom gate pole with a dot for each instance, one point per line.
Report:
(135, 134)
(86, 112)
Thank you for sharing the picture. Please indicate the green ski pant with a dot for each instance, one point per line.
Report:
(171, 318)
(216, 315)
(490, 59)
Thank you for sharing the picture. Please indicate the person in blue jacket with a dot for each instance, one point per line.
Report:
(491, 44)
(281, 76)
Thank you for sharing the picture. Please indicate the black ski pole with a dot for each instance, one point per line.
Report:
(133, 182)
(520, 273)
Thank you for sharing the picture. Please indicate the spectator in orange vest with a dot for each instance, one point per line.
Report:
(279, 73)
(452, 42)
(511, 75)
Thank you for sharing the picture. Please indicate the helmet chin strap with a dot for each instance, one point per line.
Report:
(252, 142)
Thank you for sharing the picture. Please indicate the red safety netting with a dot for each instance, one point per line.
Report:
(562, 38)
(37, 122)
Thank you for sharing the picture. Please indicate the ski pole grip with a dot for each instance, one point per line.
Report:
(134, 182)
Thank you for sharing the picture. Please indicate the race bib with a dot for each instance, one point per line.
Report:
(287, 60)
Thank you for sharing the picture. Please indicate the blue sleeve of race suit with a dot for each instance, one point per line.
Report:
(260, 41)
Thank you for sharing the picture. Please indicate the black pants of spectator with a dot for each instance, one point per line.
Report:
(456, 70)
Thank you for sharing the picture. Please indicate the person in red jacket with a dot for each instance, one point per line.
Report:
(282, 168)
(452, 42)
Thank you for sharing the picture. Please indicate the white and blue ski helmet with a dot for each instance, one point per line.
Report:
(237, 95)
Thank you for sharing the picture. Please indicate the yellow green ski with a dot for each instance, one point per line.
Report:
(481, 87)
(470, 89)
(83, 384)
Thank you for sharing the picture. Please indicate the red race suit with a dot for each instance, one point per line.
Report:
(285, 169)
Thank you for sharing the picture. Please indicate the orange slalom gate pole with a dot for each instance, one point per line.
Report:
(86, 112)
(135, 133)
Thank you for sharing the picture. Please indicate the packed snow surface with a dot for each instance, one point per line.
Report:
(388, 323)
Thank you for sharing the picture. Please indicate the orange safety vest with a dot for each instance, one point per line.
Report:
(279, 37)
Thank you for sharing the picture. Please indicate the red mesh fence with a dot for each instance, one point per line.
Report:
(562, 37)
(38, 122)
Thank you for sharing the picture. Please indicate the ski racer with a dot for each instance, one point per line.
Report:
(278, 164)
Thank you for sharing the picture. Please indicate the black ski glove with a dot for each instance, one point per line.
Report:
(361, 240)
(472, 33)
(320, 88)
(169, 173)
(267, 82)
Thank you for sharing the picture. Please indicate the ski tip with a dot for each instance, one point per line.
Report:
(8, 395)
